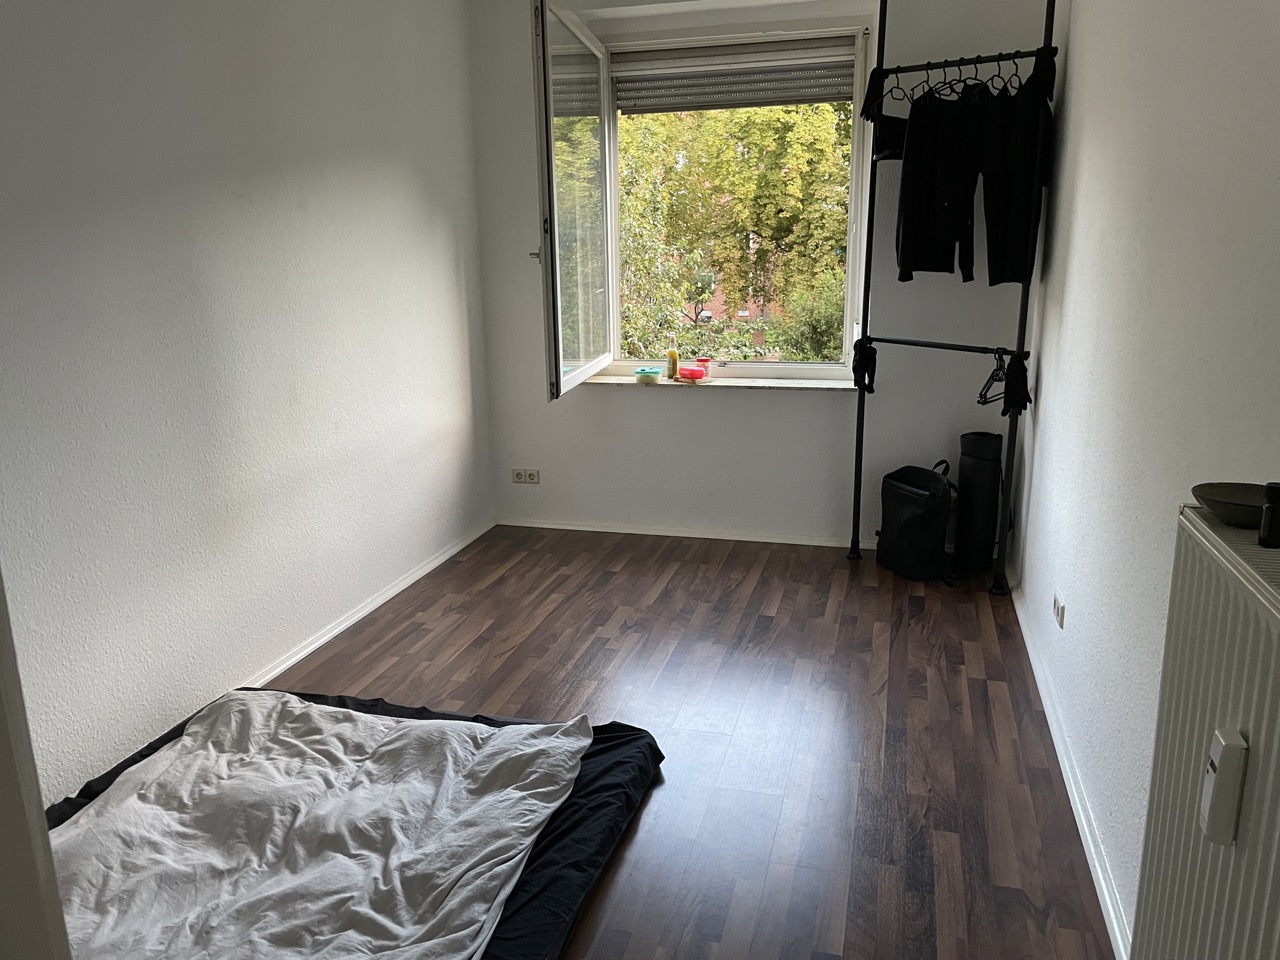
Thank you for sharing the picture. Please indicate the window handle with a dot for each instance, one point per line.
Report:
(536, 255)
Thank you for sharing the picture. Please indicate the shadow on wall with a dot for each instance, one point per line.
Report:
(242, 381)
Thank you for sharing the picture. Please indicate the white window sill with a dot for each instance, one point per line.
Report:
(739, 383)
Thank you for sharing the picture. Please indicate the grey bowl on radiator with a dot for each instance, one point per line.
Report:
(1235, 504)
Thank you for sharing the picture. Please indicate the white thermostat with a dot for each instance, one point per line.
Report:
(1223, 784)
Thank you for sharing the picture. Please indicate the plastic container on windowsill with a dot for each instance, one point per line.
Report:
(692, 374)
(648, 374)
(705, 364)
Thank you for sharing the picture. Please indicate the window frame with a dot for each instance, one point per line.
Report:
(859, 174)
(558, 382)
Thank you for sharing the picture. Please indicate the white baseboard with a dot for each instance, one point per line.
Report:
(314, 643)
(653, 530)
(1118, 925)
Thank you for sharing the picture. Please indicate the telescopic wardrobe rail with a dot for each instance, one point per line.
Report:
(943, 345)
(969, 61)
(1000, 582)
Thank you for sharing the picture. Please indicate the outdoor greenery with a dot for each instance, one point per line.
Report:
(580, 227)
(810, 325)
(747, 204)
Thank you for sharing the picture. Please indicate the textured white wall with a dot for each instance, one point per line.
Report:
(241, 383)
(1158, 367)
(770, 465)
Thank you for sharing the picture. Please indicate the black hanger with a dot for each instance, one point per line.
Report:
(945, 87)
(923, 87)
(962, 83)
(896, 92)
(998, 375)
(991, 81)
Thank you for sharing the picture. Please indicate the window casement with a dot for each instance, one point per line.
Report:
(728, 292)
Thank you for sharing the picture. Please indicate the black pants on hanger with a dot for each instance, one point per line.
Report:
(941, 158)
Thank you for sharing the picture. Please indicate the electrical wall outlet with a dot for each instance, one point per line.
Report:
(1059, 611)
(525, 476)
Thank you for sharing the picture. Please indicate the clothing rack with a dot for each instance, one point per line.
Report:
(1000, 582)
(941, 345)
(929, 65)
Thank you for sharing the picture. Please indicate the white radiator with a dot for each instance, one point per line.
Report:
(1199, 900)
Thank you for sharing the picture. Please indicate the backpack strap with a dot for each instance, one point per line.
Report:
(946, 469)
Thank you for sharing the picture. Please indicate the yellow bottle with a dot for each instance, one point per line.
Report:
(673, 360)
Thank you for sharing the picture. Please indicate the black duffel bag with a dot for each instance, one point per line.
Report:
(915, 511)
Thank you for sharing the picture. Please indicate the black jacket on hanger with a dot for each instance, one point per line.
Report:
(941, 158)
(1019, 137)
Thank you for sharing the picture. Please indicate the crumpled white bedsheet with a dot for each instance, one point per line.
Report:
(278, 830)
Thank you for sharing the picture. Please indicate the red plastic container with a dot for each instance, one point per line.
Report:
(692, 373)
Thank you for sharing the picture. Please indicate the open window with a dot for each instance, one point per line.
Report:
(706, 194)
(574, 97)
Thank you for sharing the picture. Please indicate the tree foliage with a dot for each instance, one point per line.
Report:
(750, 204)
(580, 228)
(811, 326)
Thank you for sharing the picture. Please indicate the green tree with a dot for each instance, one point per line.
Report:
(652, 287)
(579, 171)
(700, 287)
(751, 203)
(811, 326)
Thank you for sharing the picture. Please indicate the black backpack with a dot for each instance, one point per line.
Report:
(916, 508)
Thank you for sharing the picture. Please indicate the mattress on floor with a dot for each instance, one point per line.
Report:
(564, 861)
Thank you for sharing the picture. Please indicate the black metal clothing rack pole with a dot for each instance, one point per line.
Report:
(929, 65)
(943, 345)
(1000, 582)
(855, 547)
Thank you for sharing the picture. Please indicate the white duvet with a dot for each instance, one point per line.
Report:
(274, 830)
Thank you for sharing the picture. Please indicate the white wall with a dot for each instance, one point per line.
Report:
(1158, 366)
(242, 376)
(769, 465)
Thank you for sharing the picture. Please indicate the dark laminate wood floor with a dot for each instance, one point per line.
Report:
(857, 766)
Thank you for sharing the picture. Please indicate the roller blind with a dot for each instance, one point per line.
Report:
(735, 75)
(577, 84)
